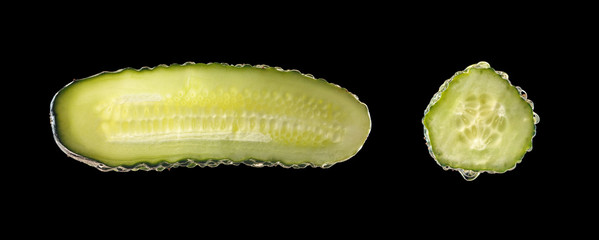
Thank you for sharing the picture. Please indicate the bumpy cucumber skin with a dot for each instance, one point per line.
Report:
(189, 162)
(472, 174)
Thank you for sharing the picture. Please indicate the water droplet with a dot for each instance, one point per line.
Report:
(469, 175)
(481, 64)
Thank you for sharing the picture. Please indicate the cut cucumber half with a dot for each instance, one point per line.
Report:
(206, 115)
(479, 122)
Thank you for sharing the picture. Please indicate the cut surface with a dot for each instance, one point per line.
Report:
(209, 112)
(480, 122)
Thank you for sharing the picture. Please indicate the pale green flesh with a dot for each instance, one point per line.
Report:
(480, 123)
(209, 111)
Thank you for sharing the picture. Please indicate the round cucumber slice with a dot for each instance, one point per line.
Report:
(479, 122)
(206, 115)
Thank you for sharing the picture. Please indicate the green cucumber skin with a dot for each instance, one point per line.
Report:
(468, 171)
(192, 161)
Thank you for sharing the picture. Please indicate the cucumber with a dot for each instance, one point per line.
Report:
(479, 122)
(207, 115)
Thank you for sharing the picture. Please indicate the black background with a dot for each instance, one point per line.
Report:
(393, 58)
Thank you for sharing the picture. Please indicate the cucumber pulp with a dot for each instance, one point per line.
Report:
(207, 114)
(479, 122)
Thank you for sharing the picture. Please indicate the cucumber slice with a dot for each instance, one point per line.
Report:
(479, 122)
(206, 115)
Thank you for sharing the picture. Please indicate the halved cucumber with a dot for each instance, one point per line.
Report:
(207, 114)
(479, 122)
